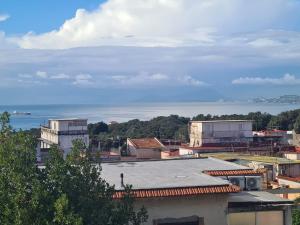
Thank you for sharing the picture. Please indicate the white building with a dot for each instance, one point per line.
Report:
(62, 132)
(219, 132)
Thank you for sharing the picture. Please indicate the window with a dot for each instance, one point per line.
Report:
(193, 220)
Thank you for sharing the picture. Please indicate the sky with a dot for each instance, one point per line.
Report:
(121, 51)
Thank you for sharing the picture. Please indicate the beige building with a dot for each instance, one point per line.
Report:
(219, 132)
(62, 132)
(182, 192)
(145, 148)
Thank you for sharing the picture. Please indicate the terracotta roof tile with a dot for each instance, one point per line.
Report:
(151, 143)
(233, 172)
(186, 191)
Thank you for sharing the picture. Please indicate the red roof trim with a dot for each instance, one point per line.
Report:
(233, 172)
(185, 191)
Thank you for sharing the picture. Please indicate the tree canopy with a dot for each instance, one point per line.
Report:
(63, 192)
(176, 127)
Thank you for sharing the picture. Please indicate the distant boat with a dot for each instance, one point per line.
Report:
(21, 113)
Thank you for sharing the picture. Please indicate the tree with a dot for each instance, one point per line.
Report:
(297, 125)
(63, 192)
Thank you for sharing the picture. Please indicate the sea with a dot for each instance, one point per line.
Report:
(142, 111)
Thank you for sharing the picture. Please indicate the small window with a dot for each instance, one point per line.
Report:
(193, 220)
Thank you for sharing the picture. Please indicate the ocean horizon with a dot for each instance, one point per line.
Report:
(125, 112)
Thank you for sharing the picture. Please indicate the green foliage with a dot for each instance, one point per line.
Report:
(96, 128)
(64, 192)
(176, 127)
(285, 120)
(260, 120)
(296, 216)
(297, 125)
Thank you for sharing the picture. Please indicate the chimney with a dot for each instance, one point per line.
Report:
(122, 180)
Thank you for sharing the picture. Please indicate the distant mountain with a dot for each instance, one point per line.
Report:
(284, 99)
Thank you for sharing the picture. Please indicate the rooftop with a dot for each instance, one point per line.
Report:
(160, 174)
(143, 143)
(217, 121)
(248, 157)
(68, 119)
(256, 197)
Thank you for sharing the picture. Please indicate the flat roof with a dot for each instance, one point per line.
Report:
(216, 121)
(247, 157)
(259, 197)
(66, 119)
(175, 173)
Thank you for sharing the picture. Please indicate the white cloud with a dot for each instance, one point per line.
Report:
(287, 79)
(188, 80)
(83, 80)
(42, 74)
(60, 76)
(146, 79)
(164, 23)
(4, 17)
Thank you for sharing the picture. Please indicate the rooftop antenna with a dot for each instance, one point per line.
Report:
(122, 180)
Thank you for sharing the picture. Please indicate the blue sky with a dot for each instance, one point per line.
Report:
(80, 51)
(40, 16)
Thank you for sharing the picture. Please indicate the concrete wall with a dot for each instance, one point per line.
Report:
(66, 141)
(148, 154)
(292, 156)
(49, 136)
(212, 207)
(291, 170)
(219, 132)
(185, 151)
(291, 184)
(65, 125)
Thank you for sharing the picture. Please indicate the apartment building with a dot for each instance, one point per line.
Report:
(220, 132)
(62, 132)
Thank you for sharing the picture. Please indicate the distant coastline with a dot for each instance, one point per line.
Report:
(142, 111)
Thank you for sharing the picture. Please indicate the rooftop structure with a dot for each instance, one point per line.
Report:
(258, 158)
(145, 148)
(62, 132)
(219, 132)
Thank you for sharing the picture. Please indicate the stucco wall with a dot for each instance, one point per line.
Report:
(49, 136)
(291, 184)
(148, 153)
(212, 207)
(218, 132)
(292, 156)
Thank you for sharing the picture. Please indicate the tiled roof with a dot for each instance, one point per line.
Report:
(184, 191)
(151, 143)
(233, 172)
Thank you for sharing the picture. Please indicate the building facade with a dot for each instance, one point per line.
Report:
(145, 148)
(220, 132)
(62, 132)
